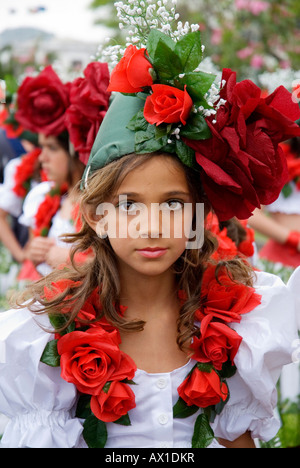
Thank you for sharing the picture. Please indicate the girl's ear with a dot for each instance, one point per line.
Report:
(91, 217)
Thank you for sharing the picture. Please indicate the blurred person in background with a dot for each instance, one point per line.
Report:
(280, 221)
(66, 117)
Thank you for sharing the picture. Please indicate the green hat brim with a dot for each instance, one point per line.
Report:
(114, 139)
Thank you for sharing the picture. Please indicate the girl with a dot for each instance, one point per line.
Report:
(153, 343)
(48, 208)
(48, 106)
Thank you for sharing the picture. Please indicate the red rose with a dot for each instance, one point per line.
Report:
(131, 74)
(110, 406)
(246, 247)
(203, 389)
(243, 166)
(217, 343)
(82, 131)
(89, 94)
(58, 288)
(89, 103)
(167, 105)
(225, 299)
(42, 102)
(25, 171)
(92, 358)
(45, 214)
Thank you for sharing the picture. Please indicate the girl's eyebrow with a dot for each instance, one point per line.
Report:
(172, 193)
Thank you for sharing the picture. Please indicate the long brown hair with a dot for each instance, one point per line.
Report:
(102, 272)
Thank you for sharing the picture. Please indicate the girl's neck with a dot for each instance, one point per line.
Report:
(149, 295)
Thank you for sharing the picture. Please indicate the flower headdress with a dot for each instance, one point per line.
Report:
(47, 105)
(225, 131)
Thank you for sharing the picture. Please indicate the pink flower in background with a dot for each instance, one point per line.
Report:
(257, 61)
(254, 6)
(257, 7)
(245, 53)
(216, 37)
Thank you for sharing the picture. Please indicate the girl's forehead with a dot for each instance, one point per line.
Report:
(158, 172)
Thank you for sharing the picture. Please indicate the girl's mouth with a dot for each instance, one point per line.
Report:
(154, 252)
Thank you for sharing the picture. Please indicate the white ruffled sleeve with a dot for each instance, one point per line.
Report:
(10, 202)
(37, 401)
(32, 202)
(294, 287)
(269, 333)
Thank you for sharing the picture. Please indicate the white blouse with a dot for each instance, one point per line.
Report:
(286, 205)
(40, 404)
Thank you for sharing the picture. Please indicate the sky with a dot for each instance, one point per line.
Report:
(66, 18)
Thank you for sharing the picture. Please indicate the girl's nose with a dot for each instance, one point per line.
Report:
(150, 224)
(43, 155)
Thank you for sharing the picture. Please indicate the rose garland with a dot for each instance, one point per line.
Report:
(226, 247)
(48, 209)
(89, 356)
(25, 171)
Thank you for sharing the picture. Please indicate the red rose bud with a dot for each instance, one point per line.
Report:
(114, 404)
(167, 105)
(203, 389)
(217, 343)
(132, 73)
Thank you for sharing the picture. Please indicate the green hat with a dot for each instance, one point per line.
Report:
(114, 139)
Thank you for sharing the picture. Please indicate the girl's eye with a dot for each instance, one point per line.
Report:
(53, 148)
(172, 205)
(128, 207)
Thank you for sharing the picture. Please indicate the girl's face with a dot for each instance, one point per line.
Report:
(54, 159)
(150, 212)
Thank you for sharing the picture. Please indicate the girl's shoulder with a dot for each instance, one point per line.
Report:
(269, 336)
(36, 400)
(33, 200)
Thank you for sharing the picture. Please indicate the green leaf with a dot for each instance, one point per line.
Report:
(197, 83)
(188, 48)
(182, 410)
(185, 153)
(124, 420)
(50, 355)
(166, 63)
(106, 387)
(94, 432)
(228, 370)
(203, 433)
(154, 38)
(196, 128)
(149, 146)
(83, 410)
(205, 366)
(44, 232)
(138, 122)
(287, 190)
(162, 130)
(59, 321)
